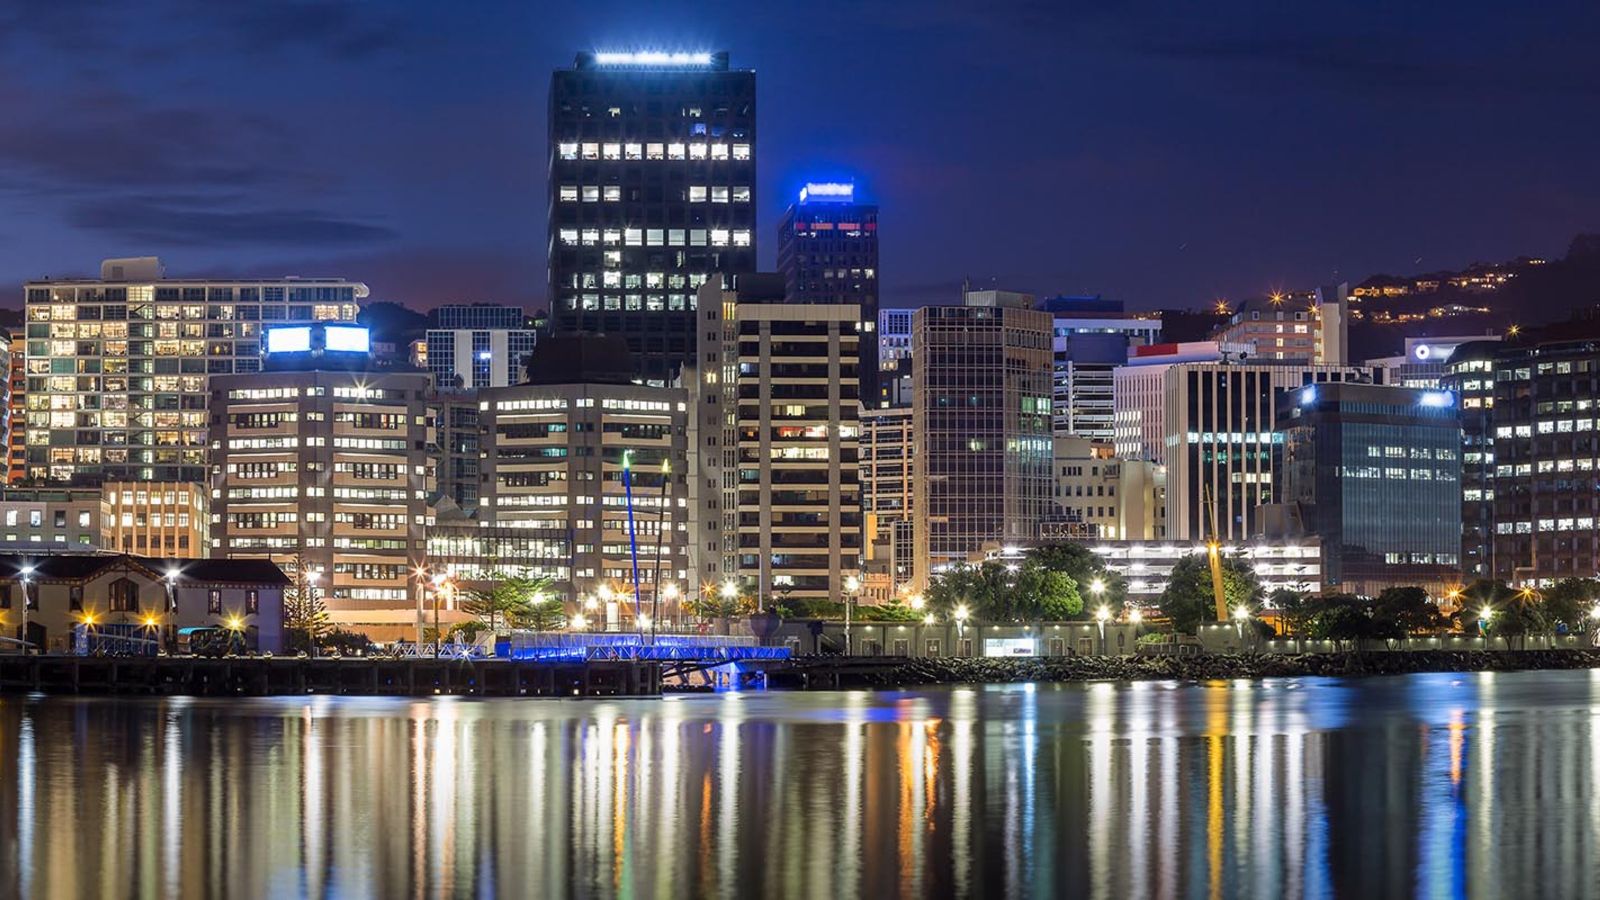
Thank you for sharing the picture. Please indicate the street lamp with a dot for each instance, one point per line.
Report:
(27, 583)
(669, 593)
(1101, 617)
(918, 601)
(851, 585)
(578, 622)
(1135, 616)
(440, 580)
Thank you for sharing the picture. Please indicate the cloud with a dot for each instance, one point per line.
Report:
(193, 221)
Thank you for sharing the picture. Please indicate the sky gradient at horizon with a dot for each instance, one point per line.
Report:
(1163, 159)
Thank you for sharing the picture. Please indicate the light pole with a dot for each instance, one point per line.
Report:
(440, 579)
(310, 611)
(961, 615)
(669, 593)
(171, 582)
(1101, 617)
(851, 585)
(27, 601)
(730, 594)
(1240, 614)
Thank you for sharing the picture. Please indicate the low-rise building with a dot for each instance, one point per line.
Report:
(139, 517)
(1102, 497)
(164, 600)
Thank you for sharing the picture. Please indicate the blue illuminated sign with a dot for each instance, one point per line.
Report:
(828, 192)
(652, 58)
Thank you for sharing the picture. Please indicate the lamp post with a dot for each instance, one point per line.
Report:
(171, 583)
(669, 593)
(961, 615)
(851, 585)
(1101, 617)
(27, 584)
(1240, 614)
(440, 579)
(730, 593)
(1594, 617)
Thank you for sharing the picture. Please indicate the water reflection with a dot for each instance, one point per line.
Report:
(1435, 785)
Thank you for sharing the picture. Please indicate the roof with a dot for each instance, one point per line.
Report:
(83, 566)
(246, 571)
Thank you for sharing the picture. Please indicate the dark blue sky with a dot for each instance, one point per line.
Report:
(1166, 157)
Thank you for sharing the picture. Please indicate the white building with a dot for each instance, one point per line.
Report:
(1424, 361)
(1211, 422)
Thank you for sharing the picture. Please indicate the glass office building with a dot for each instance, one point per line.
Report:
(1375, 473)
(652, 179)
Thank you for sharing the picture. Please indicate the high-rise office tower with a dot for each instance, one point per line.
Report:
(894, 357)
(981, 426)
(478, 346)
(1213, 424)
(828, 253)
(118, 365)
(1091, 338)
(887, 498)
(652, 183)
(1469, 375)
(1375, 473)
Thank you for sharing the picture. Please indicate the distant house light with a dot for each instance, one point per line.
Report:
(828, 191)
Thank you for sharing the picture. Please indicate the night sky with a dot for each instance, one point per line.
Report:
(1165, 159)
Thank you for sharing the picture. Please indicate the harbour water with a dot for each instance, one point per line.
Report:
(1452, 785)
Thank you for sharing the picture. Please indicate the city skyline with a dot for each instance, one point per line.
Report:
(1213, 165)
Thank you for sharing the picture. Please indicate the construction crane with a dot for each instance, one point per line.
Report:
(1214, 553)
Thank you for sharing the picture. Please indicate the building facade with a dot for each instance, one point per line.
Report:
(118, 367)
(472, 347)
(600, 462)
(1546, 490)
(155, 599)
(1374, 472)
(322, 467)
(887, 498)
(1212, 424)
(17, 401)
(1470, 377)
(1091, 339)
(776, 438)
(457, 449)
(981, 423)
(1101, 497)
(652, 180)
(828, 253)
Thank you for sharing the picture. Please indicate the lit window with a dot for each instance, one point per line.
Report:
(569, 236)
(655, 151)
(719, 195)
(676, 151)
(697, 193)
(591, 151)
(569, 193)
(568, 151)
(741, 194)
(719, 237)
(632, 151)
(741, 237)
(611, 151)
(741, 151)
(613, 193)
(719, 151)
(697, 151)
(591, 193)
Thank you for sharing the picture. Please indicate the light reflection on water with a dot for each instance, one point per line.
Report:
(1434, 785)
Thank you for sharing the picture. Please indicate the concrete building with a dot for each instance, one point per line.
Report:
(1302, 327)
(1212, 424)
(457, 448)
(981, 422)
(143, 518)
(1374, 472)
(894, 356)
(776, 440)
(1544, 417)
(828, 253)
(474, 552)
(478, 346)
(117, 366)
(156, 599)
(1092, 337)
(1101, 497)
(887, 498)
(16, 403)
(322, 466)
(1424, 363)
(1470, 377)
(1291, 564)
(581, 451)
(652, 187)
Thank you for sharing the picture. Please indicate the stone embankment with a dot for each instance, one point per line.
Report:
(913, 672)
